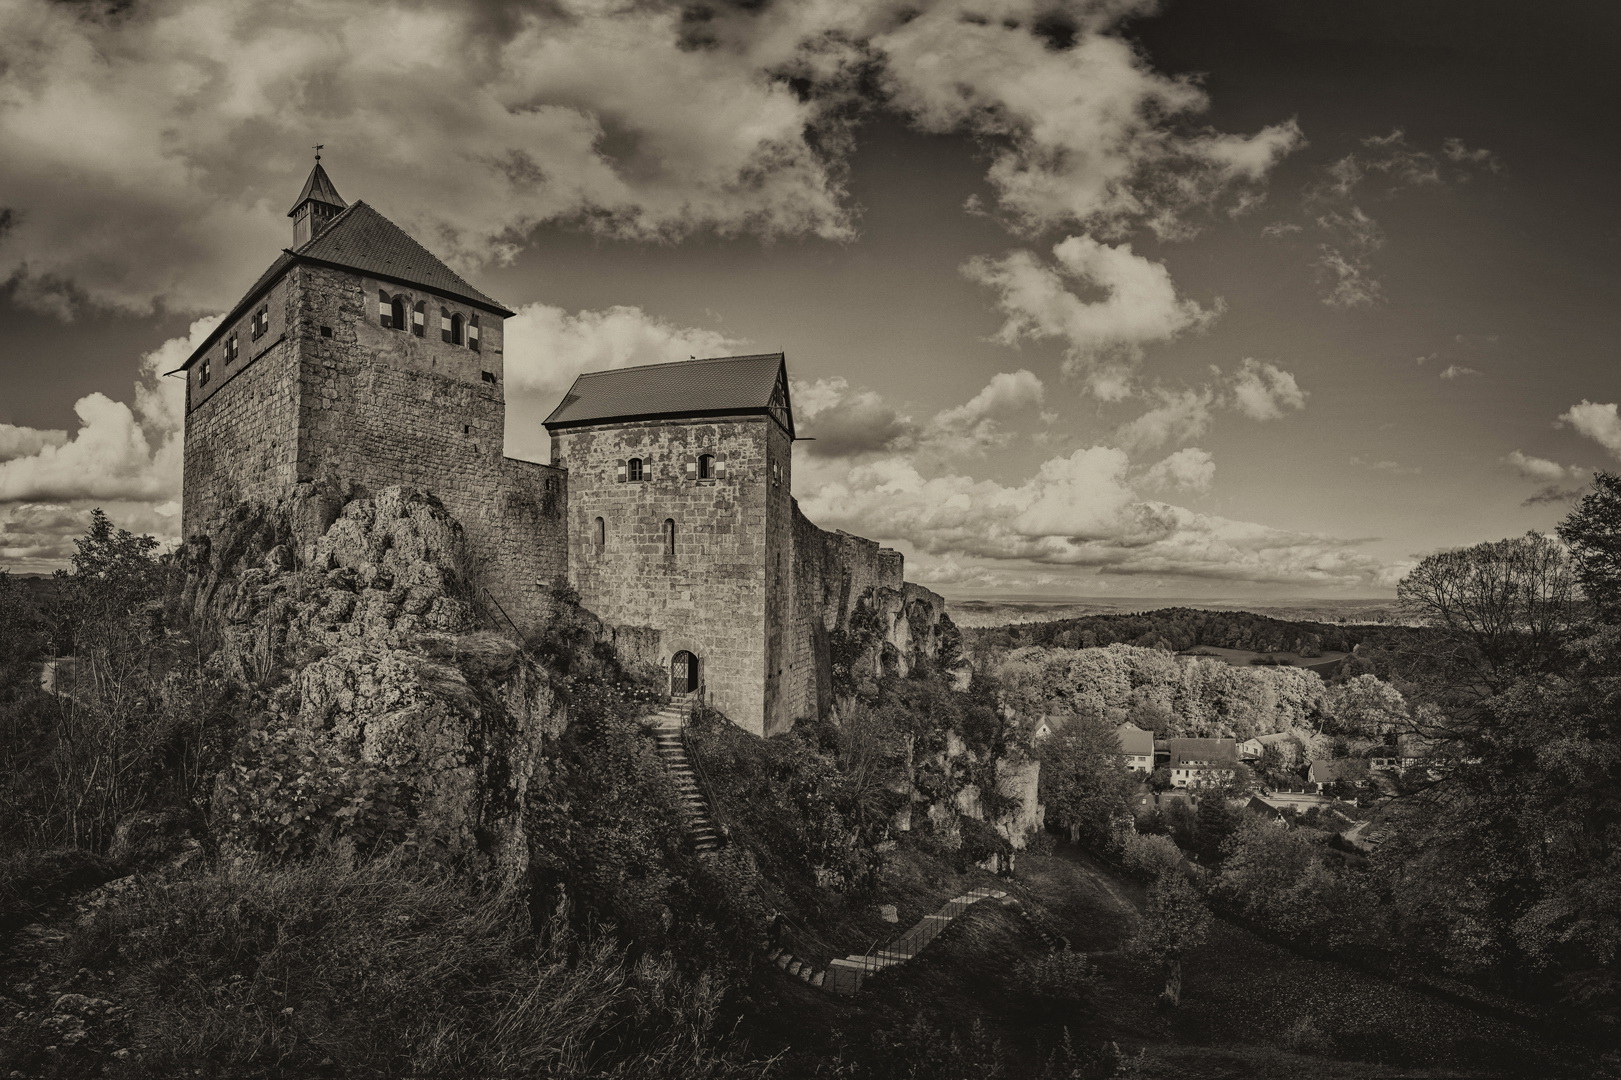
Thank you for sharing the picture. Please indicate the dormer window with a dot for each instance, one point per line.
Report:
(633, 469)
(202, 372)
(419, 319)
(233, 346)
(261, 322)
(472, 333)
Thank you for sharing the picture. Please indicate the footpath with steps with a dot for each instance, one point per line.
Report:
(846, 974)
(672, 749)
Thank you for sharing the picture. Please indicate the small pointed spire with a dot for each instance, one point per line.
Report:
(318, 203)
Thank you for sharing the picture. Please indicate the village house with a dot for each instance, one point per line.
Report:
(1198, 763)
(1137, 746)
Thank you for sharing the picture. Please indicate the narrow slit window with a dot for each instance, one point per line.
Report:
(633, 469)
(706, 466)
(669, 536)
(396, 313)
(599, 535)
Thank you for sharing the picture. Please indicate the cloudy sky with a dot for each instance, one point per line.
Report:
(1224, 298)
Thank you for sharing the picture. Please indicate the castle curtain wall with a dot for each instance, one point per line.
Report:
(709, 596)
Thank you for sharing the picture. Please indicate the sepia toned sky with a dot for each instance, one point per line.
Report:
(1246, 299)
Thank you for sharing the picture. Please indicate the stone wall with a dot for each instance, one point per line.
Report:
(241, 432)
(708, 596)
(380, 406)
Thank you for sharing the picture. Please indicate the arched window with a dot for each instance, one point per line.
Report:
(669, 536)
(633, 469)
(706, 466)
(396, 313)
(599, 535)
(458, 330)
(419, 318)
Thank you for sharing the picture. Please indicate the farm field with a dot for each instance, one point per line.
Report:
(1323, 664)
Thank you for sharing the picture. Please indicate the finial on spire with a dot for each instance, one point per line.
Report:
(318, 147)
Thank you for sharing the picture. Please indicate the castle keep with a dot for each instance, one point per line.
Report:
(358, 358)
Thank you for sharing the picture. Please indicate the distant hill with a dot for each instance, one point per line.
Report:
(1004, 611)
(1181, 629)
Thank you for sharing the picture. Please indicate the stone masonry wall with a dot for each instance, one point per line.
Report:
(708, 597)
(242, 427)
(380, 406)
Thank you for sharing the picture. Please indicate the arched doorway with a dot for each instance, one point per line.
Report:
(683, 673)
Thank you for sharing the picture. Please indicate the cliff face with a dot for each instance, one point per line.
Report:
(357, 628)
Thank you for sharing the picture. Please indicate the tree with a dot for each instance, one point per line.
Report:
(1084, 781)
(1174, 921)
(1216, 822)
(1593, 532)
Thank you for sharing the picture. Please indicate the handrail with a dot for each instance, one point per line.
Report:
(697, 764)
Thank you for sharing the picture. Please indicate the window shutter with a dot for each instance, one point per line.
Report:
(720, 469)
(472, 334)
(444, 325)
(692, 468)
(619, 473)
(382, 308)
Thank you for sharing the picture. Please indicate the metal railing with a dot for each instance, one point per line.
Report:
(696, 761)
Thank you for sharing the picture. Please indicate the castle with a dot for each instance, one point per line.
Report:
(360, 359)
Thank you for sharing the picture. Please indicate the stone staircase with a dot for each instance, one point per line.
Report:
(701, 826)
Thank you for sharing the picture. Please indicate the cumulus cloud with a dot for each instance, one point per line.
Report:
(1598, 422)
(1457, 371)
(1189, 469)
(1263, 391)
(1133, 302)
(1180, 415)
(1078, 511)
(843, 422)
(147, 155)
(117, 452)
(1541, 469)
(22, 441)
(546, 347)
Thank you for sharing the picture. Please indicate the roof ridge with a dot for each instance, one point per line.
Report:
(673, 363)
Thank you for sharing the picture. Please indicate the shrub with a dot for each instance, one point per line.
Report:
(1059, 981)
(1303, 1036)
(388, 969)
(1149, 856)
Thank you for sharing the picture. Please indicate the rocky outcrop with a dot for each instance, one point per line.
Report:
(354, 622)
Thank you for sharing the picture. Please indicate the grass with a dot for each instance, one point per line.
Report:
(389, 969)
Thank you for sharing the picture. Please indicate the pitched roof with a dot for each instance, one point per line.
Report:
(1328, 770)
(361, 239)
(723, 384)
(1188, 752)
(319, 187)
(1134, 740)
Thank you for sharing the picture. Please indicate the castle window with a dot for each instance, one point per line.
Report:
(458, 330)
(599, 535)
(326, 331)
(776, 473)
(633, 469)
(385, 310)
(706, 466)
(472, 333)
(669, 536)
(396, 313)
(202, 373)
(488, 376)
(261, 322)
(419, 319)
(232, 347)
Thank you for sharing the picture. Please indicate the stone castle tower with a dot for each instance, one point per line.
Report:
(361, 359)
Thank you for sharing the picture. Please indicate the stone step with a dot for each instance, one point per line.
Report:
(819, 978)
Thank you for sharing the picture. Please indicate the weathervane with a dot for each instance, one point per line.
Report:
(318, 150)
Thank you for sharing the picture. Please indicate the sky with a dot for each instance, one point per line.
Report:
(1240, 299)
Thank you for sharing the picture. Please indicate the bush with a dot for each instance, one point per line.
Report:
(1147, 857)
(389, 969)
(1059, 981)
(1304, 1037)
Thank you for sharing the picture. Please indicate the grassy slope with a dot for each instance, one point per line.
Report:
(1240, 995)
